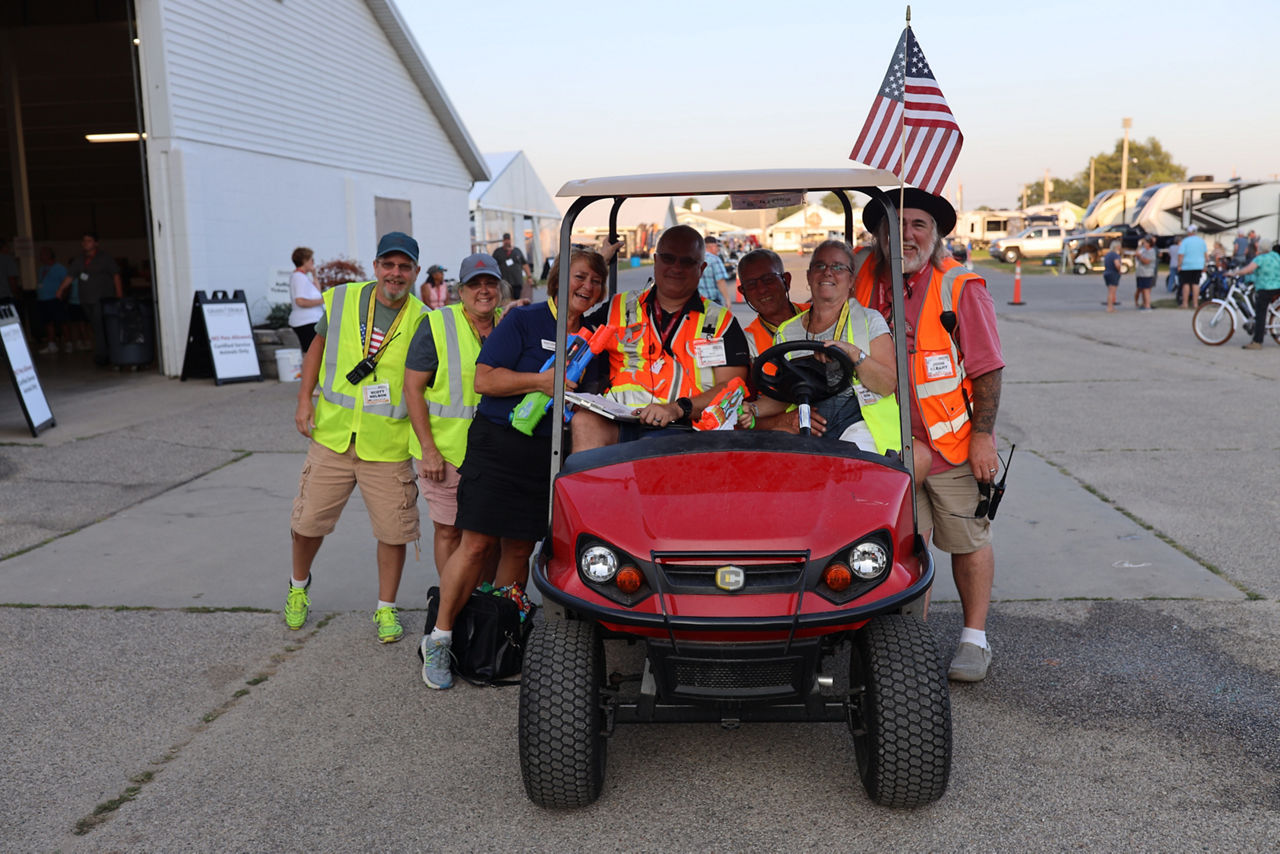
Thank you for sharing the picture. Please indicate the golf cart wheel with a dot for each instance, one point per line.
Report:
(1011, 255)
(562, 742)
(901, 722)
(1214, 322)
(1080, 269)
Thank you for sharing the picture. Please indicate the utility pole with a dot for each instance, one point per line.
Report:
(1124, 171)
(1024, 197)
(1048, 185)
(1090, 179)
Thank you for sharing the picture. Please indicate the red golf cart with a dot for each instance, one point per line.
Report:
(748, 566)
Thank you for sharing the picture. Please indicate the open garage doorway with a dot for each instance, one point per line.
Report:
(69, 76)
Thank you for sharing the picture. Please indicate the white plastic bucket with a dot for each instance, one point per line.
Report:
(289, 364)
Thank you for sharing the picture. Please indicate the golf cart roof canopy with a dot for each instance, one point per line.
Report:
(744, 181)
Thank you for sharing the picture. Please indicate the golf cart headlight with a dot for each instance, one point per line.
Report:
(868, 560)
(598, 564)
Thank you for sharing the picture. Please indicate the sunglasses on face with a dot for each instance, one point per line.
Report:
(684, 261)
(835, 268)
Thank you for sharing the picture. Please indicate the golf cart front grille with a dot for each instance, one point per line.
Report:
(763, 573)
(735, 678)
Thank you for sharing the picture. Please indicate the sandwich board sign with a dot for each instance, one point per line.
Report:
(220, 340)
(22, 370)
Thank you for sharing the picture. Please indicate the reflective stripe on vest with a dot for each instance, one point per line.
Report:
(881, 414)
(638, 382)
(452, 397)
(457, 407)
(941, 401)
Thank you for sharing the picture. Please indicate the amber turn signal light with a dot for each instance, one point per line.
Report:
(838, 577)
(628, 579)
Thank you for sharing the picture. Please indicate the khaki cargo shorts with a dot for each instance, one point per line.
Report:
(946, 504)
(389, 491)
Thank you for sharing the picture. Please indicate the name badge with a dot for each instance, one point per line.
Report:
(865, 396)
(709, 353)
(510, 261)
(938, 367)
(376, 393)
(548, 345)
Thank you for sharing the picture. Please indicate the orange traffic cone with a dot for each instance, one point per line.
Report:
(1017, 284)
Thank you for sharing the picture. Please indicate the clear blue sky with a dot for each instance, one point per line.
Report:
(607, 89)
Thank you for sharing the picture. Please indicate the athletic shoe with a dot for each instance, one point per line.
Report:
(51, 347)
(389, 628)
(297, 606)
(970, 663)
(437, 661)
(1252, 345)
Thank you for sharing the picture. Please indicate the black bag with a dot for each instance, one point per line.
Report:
(488, 637)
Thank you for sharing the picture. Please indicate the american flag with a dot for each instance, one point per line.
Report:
(910, 95)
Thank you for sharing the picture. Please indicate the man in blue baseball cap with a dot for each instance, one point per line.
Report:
(359, 429)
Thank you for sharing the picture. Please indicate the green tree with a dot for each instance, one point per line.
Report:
(832, 203)
(688, 203)
(1149, 163)
(724, 205)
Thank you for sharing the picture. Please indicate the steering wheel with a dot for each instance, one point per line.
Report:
(805, 380)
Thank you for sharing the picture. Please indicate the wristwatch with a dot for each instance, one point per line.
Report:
(686, 407)
(858, 362)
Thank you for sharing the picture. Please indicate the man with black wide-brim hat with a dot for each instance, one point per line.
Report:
(956, 367)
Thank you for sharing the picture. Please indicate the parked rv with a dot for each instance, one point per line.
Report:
(1110, 208)
(981, 227)
(1219, 209)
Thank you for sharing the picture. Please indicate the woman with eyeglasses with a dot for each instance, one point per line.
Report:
(866, 412)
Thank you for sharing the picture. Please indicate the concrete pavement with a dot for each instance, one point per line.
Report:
(1113, 716)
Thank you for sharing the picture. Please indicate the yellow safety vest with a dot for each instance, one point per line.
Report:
(879, 411)
(451, 397)
(381, 430)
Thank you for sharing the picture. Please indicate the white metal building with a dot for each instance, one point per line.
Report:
(514, 201)
(268, 124)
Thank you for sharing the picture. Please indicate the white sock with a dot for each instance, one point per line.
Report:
(977, 637)
(441, 634)
(303, 583)
(382, 604)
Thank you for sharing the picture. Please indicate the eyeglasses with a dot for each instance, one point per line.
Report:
(759, 282)
(990, 494)
(683, 260)
(388, 266)
(835, 268)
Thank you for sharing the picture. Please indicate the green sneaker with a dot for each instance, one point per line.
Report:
(389, 629)
(297, 606)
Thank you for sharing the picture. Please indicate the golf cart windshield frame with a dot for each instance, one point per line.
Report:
(874, 183)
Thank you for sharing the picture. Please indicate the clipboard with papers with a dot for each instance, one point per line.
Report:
(604, 406)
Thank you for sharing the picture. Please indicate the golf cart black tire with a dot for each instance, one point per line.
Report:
(902, 723)
(562, 741)
(1011, 255)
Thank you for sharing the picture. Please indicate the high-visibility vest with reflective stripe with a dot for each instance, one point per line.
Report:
(866, 270)
(451, 397)
(938, 377)
(381, 429)
(642, 371)
(879, 411)
(759, 338)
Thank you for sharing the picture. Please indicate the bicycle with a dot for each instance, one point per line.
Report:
(1215, 321)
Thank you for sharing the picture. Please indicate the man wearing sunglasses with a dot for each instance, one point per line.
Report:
(766, 287)
(675, 350)
(956, 368)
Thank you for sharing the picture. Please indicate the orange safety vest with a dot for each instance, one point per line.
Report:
(760, 336)
(866, 271)
(642, 372)
(939, 382)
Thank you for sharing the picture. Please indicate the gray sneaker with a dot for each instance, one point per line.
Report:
(437, 661)
(970, 663)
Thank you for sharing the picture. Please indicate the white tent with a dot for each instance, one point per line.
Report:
(514, 201)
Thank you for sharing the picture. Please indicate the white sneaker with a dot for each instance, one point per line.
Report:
(49, 348)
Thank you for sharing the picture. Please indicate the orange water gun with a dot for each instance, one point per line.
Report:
(724, 409)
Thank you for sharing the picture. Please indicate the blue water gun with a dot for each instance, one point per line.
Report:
(583, 347)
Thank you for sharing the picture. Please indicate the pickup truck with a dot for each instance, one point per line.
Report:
(1039, 241)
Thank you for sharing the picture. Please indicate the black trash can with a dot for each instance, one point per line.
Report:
(130, 328)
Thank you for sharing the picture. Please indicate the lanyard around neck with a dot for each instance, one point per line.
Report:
(836, 333)
(368, 325)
